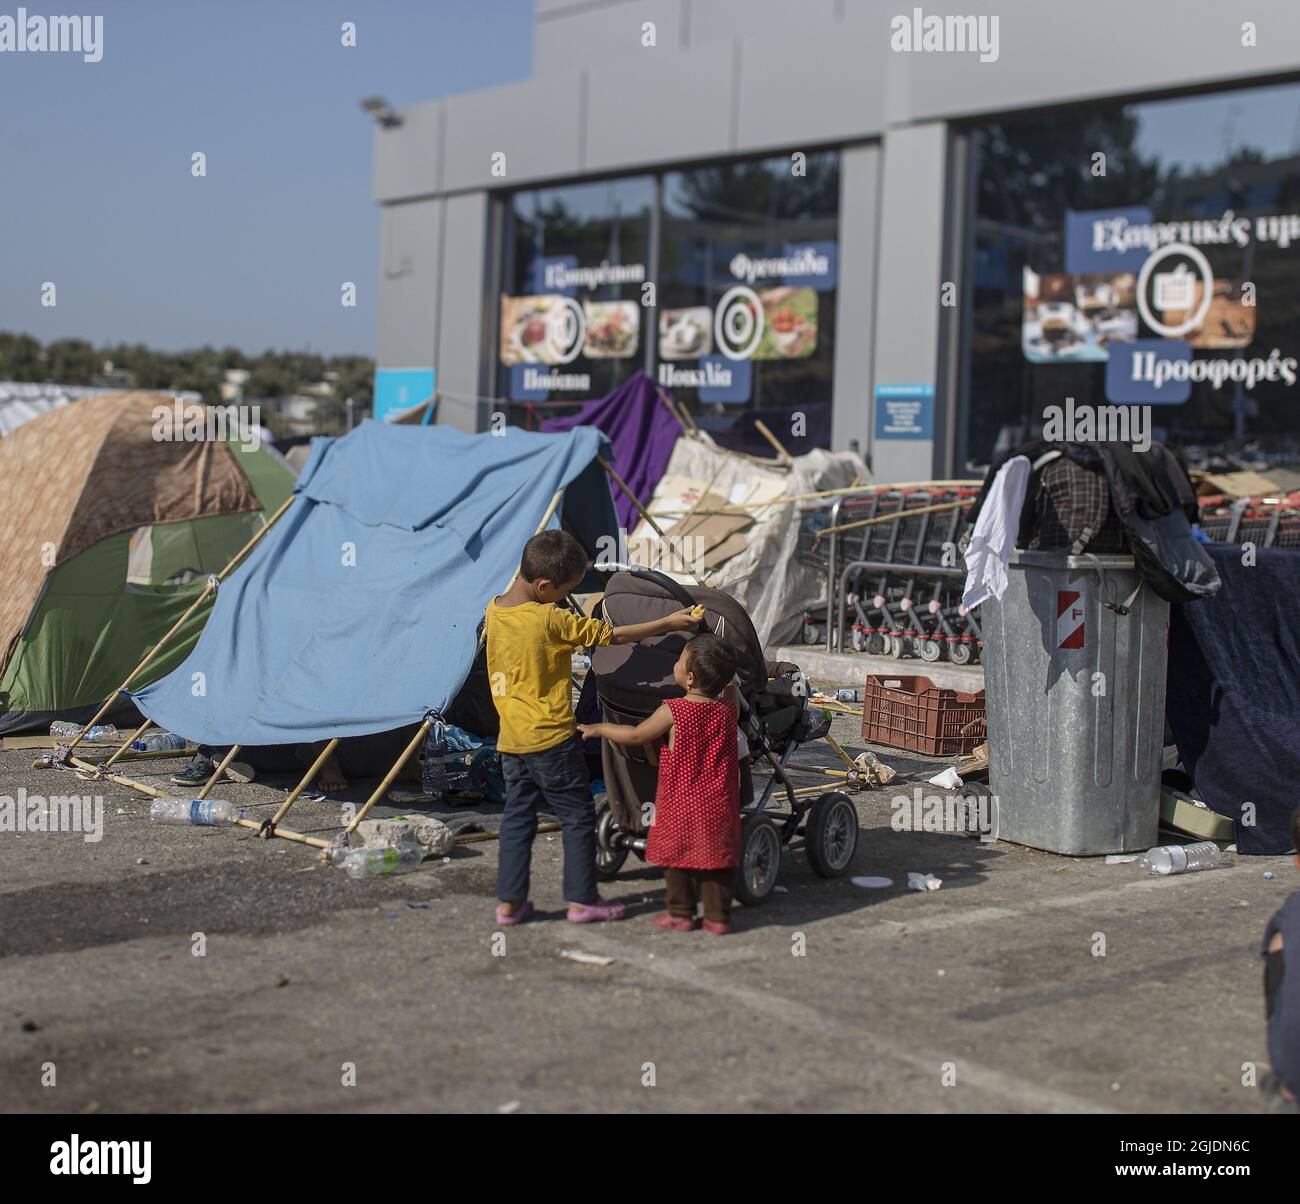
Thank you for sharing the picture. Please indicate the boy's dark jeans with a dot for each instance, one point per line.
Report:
(558, 777)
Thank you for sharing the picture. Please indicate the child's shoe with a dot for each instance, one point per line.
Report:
(671, 923)
(717, 927)
(588, 913)
(518, 916)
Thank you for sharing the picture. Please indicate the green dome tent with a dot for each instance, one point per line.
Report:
(109, 530)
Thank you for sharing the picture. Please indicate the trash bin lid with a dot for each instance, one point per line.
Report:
(1063, 560)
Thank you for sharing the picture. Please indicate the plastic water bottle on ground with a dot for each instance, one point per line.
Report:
(1182, 858)
(101, 733)
(201, 812)
(159, 741)
(400, 858)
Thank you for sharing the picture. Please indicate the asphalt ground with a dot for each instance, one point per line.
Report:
(1027, 983)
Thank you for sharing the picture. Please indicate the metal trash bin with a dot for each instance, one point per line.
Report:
(1076, 704)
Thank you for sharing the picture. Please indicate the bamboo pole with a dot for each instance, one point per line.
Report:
(893, 514)
(839, 751)
(267, 829)
(472, 837)
(220, 769)
(684, 417)
(207, 589)
(645, 514)
(287, 834)
(387, 781)
(762, 428)
(118, 778)
(131, 739)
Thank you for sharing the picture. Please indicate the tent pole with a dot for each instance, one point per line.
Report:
(97, 770)
(761, 427)
(131, 739)
(687, 423)
(220, 769)
(286, 833)
(207, 589)
(383, 786)
(267, 829)
(641, 510)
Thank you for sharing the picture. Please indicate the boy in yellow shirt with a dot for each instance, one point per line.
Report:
(530, 643)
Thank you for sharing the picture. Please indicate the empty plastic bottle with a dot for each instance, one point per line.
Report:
(400, 858)
(101, 733)
(202, 812)
(159, 741)
(1182, 858)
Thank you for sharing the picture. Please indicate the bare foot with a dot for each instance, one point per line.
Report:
(331, 777)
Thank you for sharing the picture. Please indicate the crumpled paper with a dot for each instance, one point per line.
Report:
(917, 881)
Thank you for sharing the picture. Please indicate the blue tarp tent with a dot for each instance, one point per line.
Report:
(359, 610)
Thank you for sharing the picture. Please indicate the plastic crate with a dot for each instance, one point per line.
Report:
(915, 714)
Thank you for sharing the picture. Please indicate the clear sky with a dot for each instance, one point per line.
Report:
(96, 191)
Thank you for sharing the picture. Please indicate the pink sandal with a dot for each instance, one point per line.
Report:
(588, 913)
(518, 916)
(717, 927)
(671, 923)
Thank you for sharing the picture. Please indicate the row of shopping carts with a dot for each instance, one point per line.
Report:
(893, 572)
(1264, 522)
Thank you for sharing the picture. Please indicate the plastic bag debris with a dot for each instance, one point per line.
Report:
(917, 881)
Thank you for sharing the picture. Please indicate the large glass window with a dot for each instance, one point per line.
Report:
(1143, 253)
(572, 325)
(747, 279)
(739, 323)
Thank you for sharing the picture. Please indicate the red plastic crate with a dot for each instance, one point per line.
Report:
(915, 714)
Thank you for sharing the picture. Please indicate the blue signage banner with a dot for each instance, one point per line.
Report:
(401, 388)
(1142, 371)
(818, 264)
(540, 266)
(729, 380)
(1091, 235)
(904, 411)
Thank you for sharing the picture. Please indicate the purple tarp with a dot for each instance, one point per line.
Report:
(642, 431)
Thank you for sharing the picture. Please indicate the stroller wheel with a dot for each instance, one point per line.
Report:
(861, 641)
(831, 834)
(930, 650)
(960, 653)
(610, 854)
(812, 633)
(897, 645)
(760, 860)
(876, 644)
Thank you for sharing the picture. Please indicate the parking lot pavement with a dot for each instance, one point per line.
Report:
(1027, 983)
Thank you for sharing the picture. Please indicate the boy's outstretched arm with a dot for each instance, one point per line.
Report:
(680, 620)
(624, 733)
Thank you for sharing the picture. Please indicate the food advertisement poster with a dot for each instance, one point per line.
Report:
(1141, 295)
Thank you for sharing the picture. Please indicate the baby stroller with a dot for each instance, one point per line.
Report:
(632, 680)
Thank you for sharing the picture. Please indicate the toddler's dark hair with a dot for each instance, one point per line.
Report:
(713, 661)
(554, 556)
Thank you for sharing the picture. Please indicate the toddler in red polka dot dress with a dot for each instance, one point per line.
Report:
(695, 831)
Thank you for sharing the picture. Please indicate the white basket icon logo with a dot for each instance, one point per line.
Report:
(738, 323)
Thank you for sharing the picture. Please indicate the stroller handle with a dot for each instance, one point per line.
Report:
(674, 588)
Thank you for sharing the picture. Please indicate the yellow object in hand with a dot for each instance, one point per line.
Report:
(697, 612)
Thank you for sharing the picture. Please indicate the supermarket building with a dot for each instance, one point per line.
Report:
(903, 228)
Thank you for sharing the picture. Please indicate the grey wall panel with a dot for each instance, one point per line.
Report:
(659, 107)
(1064, 52)
(537, 125)
(572, 39)
(855, 296)
(908, 282)
(459, 345)
(722, 20)
(804, 88)
(409, 237)
(408, 158)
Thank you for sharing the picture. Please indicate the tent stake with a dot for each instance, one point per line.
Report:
(207, 589)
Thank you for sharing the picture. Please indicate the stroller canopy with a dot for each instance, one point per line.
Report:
(635, 678)
(360, 608)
